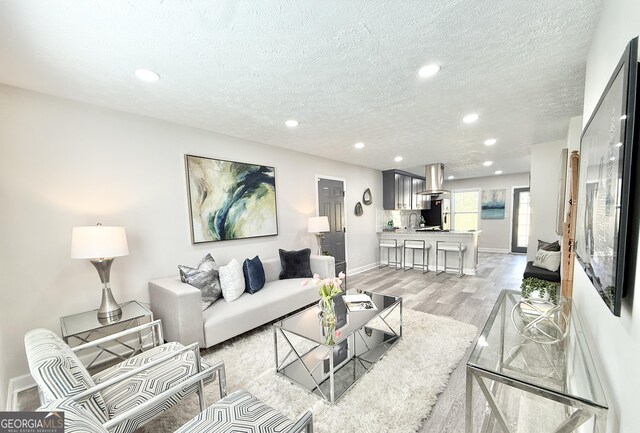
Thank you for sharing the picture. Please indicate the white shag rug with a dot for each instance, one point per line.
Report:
(396, 395)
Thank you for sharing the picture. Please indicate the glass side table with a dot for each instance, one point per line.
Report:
(530, 386)
(84, 327)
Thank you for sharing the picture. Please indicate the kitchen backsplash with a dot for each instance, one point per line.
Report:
(400, 218)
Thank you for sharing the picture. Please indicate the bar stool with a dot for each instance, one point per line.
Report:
(450, 247)
(414, 245)
(390, 244)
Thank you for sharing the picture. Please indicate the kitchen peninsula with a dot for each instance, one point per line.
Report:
(468, 239)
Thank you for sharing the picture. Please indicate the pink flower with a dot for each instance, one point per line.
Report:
(341, 275)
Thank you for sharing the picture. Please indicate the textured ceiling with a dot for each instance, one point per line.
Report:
(345, 69)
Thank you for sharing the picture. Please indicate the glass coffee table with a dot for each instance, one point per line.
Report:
(327, 361)
(529, 385)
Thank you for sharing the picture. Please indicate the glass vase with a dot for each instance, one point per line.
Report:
(327, 312)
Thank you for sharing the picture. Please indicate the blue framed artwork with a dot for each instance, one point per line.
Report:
(492, 204)
(230, 200)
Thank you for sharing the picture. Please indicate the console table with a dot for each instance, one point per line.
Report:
(530, 386)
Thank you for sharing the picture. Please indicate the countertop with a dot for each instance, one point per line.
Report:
(429, 232)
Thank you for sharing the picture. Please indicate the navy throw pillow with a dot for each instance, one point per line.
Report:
(253, 275)
(295, 264)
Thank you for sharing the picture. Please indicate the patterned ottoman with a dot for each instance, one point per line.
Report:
(238, 412)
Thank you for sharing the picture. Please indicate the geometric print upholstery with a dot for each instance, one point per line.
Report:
(58, 372)
(76, 418)
(135, 390)
(239, 412)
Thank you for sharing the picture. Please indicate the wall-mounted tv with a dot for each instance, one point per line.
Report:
(607, 217)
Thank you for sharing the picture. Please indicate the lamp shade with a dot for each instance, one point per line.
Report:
(318, 224)
(98, 241)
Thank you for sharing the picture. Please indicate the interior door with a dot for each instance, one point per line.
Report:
(521, 220)
(331, 204)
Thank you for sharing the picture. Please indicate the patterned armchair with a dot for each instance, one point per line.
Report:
(129, 394)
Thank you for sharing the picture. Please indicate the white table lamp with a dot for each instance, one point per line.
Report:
(318, 225)
(100, 245)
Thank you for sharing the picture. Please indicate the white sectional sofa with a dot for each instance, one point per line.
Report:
(179, 305)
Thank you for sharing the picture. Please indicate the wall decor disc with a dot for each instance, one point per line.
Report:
(358, 210)
(367, 198)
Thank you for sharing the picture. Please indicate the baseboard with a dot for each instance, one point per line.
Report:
(494, 250)
(362, 269)
(17, 385)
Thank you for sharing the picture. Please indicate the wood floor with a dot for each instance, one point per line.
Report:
(467, 299)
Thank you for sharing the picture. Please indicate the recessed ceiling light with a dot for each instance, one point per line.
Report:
(428, 70)
(147, 75)
(470, 118)
(619, 144)
(613, 158)
(487, 163)
(359, 145)
(451, 177)
(498, 172)
(397, 159)
(623, 117)
(291, 123)
(490, 142)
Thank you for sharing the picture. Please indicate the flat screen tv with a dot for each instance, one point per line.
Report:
(607, 217)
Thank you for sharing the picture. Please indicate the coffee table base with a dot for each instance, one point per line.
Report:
(310, 365)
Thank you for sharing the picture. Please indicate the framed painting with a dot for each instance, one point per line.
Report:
(230, 200)
(608, 207)
(492, 204)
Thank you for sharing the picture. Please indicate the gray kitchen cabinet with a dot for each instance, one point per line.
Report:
(418, 201)
(399, 190)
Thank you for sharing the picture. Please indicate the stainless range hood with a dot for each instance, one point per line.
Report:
(434, 178)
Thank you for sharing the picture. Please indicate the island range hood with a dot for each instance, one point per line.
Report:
(434, 178)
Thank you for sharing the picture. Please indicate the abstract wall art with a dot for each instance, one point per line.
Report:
(492, 204)
(230, 200)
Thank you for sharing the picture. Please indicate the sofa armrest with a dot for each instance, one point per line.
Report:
(179, 306)
(325, 266)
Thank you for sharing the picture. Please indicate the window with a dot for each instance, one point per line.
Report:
(465, 210)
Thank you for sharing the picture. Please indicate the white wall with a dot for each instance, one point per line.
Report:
(496, 234)
(3, 376)
(545, 184)
(65, 164)
(614, 342)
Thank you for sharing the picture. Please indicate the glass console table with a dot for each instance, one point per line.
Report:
(328, 361)
(531, 386)
(83, 327)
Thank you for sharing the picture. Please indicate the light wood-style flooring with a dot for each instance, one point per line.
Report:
(467, 299)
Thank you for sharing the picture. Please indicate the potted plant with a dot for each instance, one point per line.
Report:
(535, 288)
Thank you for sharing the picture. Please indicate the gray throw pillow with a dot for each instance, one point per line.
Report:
(205, 277)
(548, 246)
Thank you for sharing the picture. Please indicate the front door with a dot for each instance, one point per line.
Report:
(331, 204)
(521, 218)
